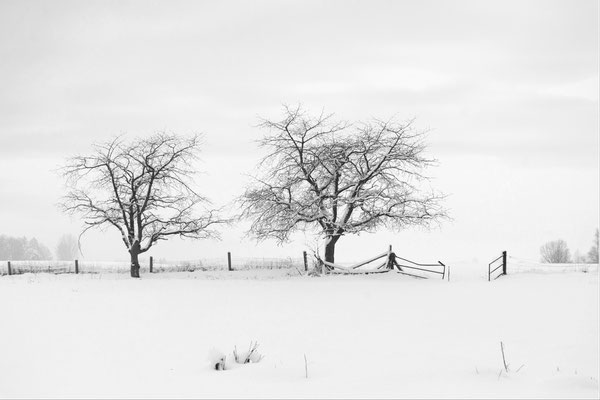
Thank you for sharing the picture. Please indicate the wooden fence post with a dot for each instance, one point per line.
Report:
(305, 261)
(504, 262)
(151, 263)
(76, 266)
(9, 270)
(229, 261)
(390, 262)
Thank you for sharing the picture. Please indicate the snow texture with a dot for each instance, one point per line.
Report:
(374, 336)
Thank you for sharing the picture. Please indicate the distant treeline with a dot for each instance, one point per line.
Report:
(557, 252)
(15, 248)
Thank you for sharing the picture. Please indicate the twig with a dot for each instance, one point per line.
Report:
(251, 351)
(518, 369)
(503, 358)
(305, 367)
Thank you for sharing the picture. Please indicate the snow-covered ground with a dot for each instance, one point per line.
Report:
(106, 335)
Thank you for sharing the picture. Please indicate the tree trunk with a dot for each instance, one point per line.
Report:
(330, 248)
(135, 265)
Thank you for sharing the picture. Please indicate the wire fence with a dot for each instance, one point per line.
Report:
(233, 263)
(521, 265)
(154, 265)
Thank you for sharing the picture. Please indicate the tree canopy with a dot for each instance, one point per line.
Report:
(339, 177)
(143, 189)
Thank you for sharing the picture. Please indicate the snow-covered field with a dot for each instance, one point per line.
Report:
(106, 335)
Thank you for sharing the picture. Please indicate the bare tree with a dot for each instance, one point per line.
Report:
(339, 178)
(142, 189)
(555, 252)
(67, 248)
(593, 253)
(14, 248)
(578, 258)
(37, 251)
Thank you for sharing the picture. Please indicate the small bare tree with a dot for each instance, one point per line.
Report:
(67, 248)
(592, 255)
(555, 252)
(142, 189)
(340, 178)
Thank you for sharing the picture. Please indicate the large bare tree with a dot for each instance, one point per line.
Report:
(141, 188)
(338, 177)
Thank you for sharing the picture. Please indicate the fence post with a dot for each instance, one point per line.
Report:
(305, 261)
(229, 261)
(151, 263)
(504, 262)
(9, 270)
(76, 266)
(443, 272)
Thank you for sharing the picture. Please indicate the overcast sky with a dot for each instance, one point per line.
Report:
(508, 89)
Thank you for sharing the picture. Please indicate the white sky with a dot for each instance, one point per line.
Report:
(508, 89)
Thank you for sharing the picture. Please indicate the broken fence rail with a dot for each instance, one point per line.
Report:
(389, 264)
(445, 272)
